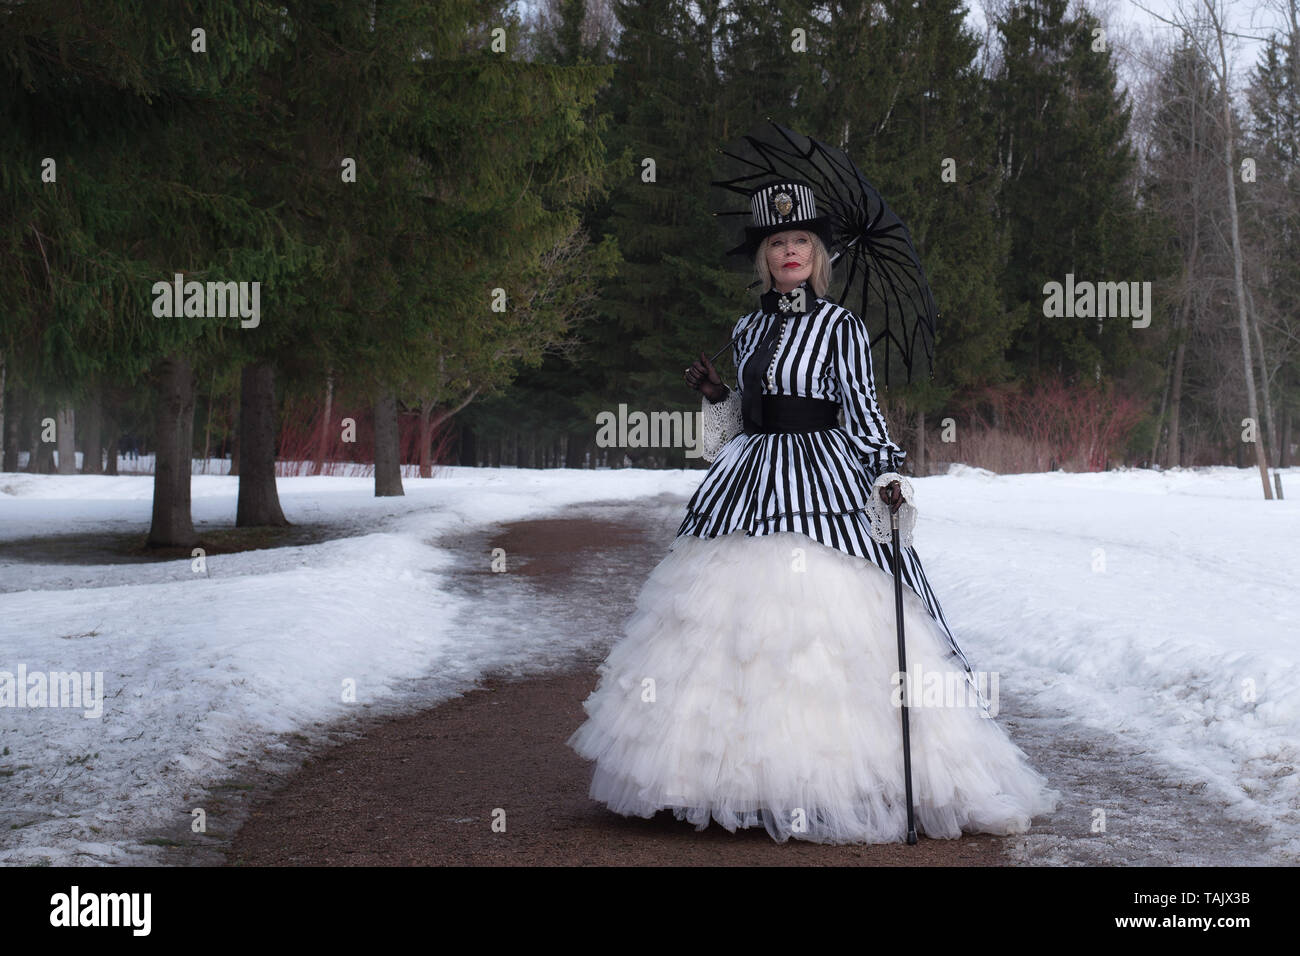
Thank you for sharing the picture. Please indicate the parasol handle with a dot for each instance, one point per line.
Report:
(721, 350)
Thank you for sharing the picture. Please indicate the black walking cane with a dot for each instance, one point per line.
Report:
(902, 669)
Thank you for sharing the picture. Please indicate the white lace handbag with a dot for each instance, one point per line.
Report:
(719, 424)
(881, 527)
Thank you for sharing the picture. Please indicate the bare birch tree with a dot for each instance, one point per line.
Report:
(1206, 31)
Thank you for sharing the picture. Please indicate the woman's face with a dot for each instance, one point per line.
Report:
(789, 258)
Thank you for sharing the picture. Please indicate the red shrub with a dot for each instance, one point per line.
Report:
(301, 440)
(1073, 427)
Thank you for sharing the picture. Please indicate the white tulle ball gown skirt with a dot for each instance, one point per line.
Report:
(755, 686)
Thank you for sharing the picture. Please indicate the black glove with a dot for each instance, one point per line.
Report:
(892, 495)
(704, 378)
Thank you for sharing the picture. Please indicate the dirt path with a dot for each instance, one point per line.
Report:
(422, 789)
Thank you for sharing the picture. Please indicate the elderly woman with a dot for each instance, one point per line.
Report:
(756, 681)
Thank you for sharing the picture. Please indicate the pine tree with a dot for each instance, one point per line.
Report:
(904, 97)
(1066, 196)
(1184, 187)
(141, 118)
(669, 300)
(1271, 221)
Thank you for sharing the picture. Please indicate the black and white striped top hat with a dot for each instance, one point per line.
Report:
(778, 206)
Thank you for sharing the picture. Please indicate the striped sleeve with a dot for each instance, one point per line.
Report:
(741, 332)
(862, 418)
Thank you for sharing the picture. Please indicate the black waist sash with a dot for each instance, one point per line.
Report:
(795, 414)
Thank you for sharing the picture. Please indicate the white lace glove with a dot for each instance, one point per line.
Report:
(881, 527)
(719, 424)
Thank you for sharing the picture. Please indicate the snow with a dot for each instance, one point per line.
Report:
(1159, 608)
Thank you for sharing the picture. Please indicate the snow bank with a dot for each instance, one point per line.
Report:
(1160, 607)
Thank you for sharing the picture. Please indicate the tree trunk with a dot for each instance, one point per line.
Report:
(207, 428)
(4, 444)
(1186, 314)
(112, 436)
(32, 428)
(1263, 377)
(1238, 280)
(172, 526)
(1284, 455)
(234, 438)
(92, 440)
(919, 466)
(259, 502)
(1164, 405)
(13, 421)
(66, 439)
(326, 428)
(1174, 453)
(426, 439)
(468, 447)
(388, 466)
(41, 460)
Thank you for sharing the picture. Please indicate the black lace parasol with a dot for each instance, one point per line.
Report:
(878, 273)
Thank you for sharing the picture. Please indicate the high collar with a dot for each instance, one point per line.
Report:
(771, 299)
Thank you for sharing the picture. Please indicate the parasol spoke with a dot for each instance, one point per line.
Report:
(880, 275)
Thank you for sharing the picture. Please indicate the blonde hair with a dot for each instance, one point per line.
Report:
(820, 279)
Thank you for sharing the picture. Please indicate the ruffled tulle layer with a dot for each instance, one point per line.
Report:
(754, 685)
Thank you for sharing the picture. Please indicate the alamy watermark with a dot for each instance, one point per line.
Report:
(1098, 300)
(947, 688)
(76, 689)
(211, 300)
(626, 429)
(75, 908)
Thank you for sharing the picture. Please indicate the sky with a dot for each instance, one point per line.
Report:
(1140, 18)
(1248, 17)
